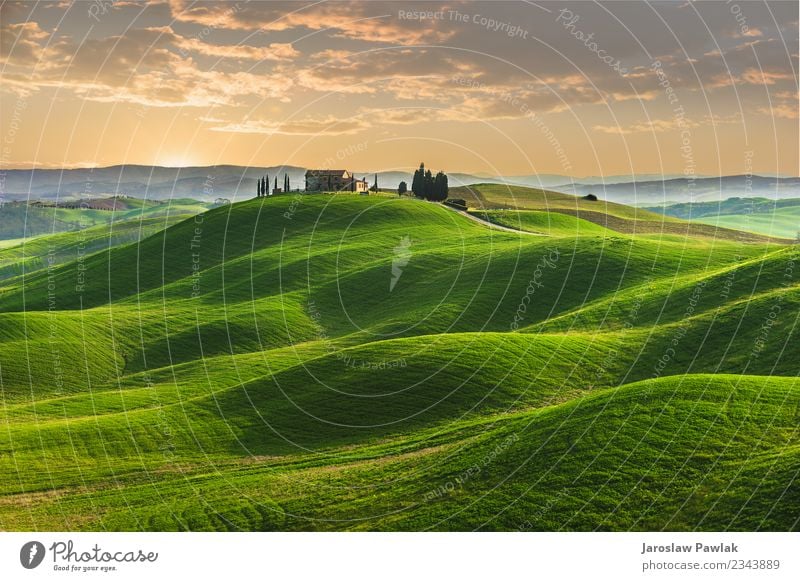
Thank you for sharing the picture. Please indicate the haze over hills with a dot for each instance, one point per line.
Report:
(176, 188)
(772, 217)
(238, 182)
(141, 181)
(25, 220)
(681, 190)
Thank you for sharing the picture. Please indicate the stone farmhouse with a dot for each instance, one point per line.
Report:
(334, 180)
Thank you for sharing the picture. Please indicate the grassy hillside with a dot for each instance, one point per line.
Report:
(497, 196)
(782, 222)
(22, 220)
(342, 362)
(779, 218)
(609, 215)
(28, 255)
(543, 222)
(708, 452)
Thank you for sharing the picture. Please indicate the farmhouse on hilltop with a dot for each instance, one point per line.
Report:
(362, 187)
(334, 180)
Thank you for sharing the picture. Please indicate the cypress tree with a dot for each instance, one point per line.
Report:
(417, 184)
(440, 188)
(276, 183)
(427, 185)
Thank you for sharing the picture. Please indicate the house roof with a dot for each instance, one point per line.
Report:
(326, 172)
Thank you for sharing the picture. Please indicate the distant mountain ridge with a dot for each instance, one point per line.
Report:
(682, 190)
(239, 182)
(141, 181)
(731, 206)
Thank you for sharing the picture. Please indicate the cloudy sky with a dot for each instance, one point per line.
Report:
(499, 88)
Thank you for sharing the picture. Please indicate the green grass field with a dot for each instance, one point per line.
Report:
(782, 222)
(343, 362)
(27, 255)
(20, 221)
(778, 218)
(516, 202)
(543, 222)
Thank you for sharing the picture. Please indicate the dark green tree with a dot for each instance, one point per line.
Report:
(440, 187)
(427, 185)
(375, 185)
(402, 188)
(276, 184)
(418, 183)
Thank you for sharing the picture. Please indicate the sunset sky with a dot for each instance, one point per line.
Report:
(496, 88)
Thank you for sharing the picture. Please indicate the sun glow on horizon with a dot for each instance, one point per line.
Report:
(165, 84)
(177, 160)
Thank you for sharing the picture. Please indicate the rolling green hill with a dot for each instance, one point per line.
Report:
(517, 200)
(731, 206)
(543, 222)
(21, 220)
(500, 196)
(31, 254)
(779, 218)
(782, 222)
(342, 362)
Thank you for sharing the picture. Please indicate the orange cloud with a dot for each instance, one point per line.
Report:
(370, 22)
(652, 126)
(753, 32)
(309, 126)
(20, 43)
(782, 110)
(761, 77)
(274, 52)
